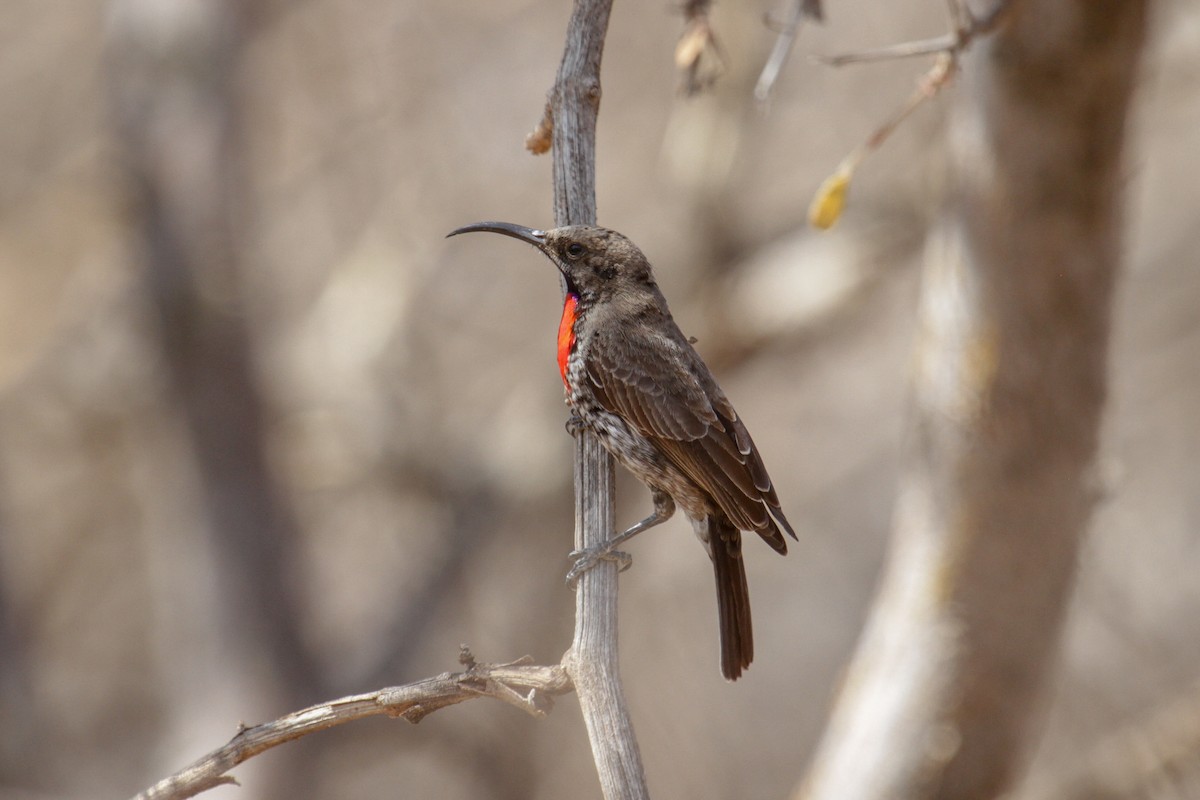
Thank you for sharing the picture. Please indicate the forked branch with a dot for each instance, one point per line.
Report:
(521, 684)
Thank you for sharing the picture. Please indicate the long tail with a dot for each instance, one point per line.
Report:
(733, 596)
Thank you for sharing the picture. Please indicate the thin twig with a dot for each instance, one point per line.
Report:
(797, 11)
(519, 683)
(940, 74)
(830, 198)
(966, 28)
(924, 47)
(827, 204)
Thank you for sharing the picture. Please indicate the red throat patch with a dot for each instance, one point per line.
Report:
(566, 335)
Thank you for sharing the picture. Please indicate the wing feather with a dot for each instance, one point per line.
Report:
(668, 395)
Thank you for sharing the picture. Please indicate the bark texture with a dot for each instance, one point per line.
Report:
(592, 661)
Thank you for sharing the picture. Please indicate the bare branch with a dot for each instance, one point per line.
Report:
(925, 47)
(797, 11)
(520, 684)
(826, 206)
(592, 660)
(940, 74)
(967, 28)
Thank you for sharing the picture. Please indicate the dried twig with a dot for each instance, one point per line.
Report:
(830, 198)
(946, 43)
(519, 683)
(798, 10)
(967, 28)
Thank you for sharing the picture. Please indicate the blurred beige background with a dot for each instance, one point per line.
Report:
(415, 417)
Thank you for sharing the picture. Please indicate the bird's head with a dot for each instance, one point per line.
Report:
(596, 263)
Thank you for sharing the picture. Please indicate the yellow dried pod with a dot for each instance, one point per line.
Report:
(830, 199)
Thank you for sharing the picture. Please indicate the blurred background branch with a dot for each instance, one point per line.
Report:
(173, 67)
(945, 691)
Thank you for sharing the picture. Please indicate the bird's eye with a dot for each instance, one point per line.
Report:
(575, 250)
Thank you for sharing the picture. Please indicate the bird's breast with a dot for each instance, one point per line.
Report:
(566, 336)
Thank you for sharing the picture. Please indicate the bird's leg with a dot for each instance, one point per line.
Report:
(664, 507)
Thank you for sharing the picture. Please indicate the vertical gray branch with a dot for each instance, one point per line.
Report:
(592, 660)
(1009, 388)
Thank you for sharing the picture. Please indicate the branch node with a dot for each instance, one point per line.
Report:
(465, 658)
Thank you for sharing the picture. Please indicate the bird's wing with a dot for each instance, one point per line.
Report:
(653, 385)
(667, 394)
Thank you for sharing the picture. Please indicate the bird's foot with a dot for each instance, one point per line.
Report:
(589, 558)
(575, 424)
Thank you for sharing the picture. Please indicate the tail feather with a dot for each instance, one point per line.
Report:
(733, 596)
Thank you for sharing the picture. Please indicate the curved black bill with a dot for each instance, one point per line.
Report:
(533, 237)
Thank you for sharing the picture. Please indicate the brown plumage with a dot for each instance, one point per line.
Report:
(633, 379)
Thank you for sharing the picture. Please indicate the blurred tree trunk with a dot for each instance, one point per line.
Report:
(173, 67)
(20, 731)
(178, 118)
(942, 699)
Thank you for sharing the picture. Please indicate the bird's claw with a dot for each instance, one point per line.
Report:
(574, 425)
(589, 558)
